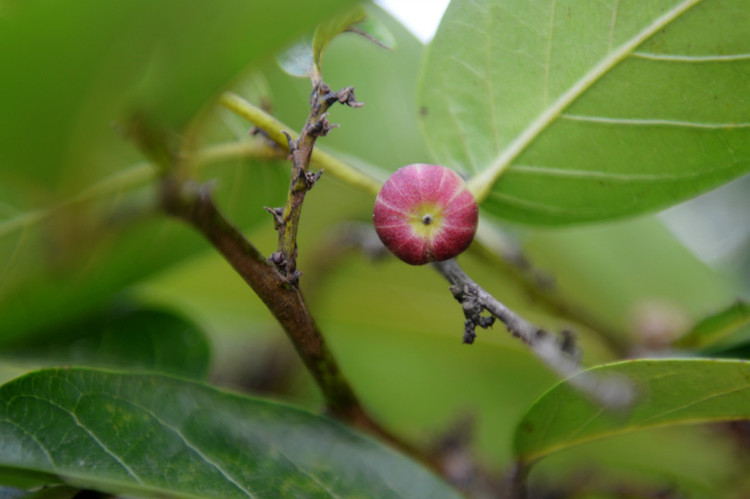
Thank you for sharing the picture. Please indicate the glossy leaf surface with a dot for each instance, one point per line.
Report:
(669, 391)
(149, 435)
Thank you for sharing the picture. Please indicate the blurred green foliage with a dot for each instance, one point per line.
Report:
(91, 273)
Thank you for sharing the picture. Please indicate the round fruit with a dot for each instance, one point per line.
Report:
(425, 213)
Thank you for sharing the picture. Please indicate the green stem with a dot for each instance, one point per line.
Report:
(138, 175)
(258, 149)
(274, 129)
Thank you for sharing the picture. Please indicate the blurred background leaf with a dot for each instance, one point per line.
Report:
(76, 259)
(76, 209)
(72, 69)
(629, 275)
(136, 339)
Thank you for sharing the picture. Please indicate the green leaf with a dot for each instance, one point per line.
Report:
(375, 31)
(670, 392)
(305, 58)
(158, 436)
(566, 111)
(717, 326)
(298, 60)
(326, 32)
(694, 462)
(137, 339)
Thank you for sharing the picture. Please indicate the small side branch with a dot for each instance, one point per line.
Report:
(286, 219)
(540, 287)
(559, 353)
(515, 481)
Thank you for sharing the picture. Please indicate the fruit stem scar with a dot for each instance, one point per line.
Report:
(427, 219)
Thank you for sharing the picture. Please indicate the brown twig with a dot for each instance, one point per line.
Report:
(193, 203)
(542, 290)
(515, 481)
(286, 219)
(512, 263)
(559, 354)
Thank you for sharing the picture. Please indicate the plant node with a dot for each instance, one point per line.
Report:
(286, 220)
(560, 354)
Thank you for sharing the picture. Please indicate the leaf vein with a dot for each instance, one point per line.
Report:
(312, 477)
(91, 435)
(591, 174)
(542, 434)
(468, 66)
(189, 445)
(481, 184)
(692, 58)
(586, 424)
(694, 403)
(33, 437)
(652, 122)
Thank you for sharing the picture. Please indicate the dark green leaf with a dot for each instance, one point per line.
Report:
(163, 437)
(568, 111)
(669, 391)
(138, 339)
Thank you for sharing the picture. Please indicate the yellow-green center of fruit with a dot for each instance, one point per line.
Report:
(425, 220)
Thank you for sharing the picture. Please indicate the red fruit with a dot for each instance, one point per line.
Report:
(425, 213)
